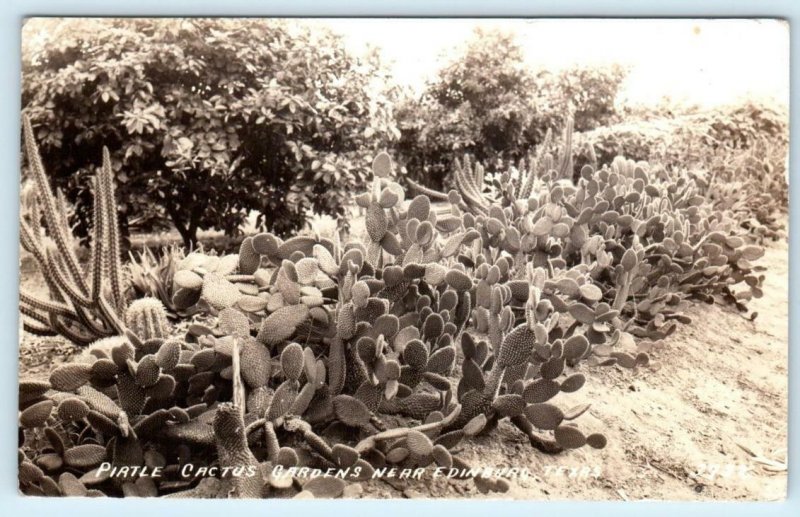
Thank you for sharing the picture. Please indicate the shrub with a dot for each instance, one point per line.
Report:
(489, 103)
(479, 103)
(736, 153)
(638, 141)
(743, 125)
(589, 93)
(206, 119)
(674, 137)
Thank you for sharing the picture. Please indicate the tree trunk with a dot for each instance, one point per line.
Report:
(189, 236)
(187, 230)
(124, 235)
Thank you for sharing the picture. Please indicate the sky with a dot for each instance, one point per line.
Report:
(706, 62)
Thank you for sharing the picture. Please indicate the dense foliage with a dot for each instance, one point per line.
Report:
(687, 138)
(488, 102)
(738, 153)
(206, 119)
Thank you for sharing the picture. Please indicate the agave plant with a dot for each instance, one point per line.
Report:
(152, 276)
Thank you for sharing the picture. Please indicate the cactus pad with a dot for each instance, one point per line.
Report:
(517, 346)
(544, 416)
(281, 324)
(70, 377)
(569, 437)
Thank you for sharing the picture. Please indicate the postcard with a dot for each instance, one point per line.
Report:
(539, 259)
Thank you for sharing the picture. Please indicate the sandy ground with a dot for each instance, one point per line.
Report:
(707, 420)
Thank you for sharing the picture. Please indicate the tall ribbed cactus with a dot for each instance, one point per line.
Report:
(81, 310)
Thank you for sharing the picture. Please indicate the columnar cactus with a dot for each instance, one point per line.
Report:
(83, 305)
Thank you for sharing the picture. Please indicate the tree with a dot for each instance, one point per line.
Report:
(479, 103)
(206, 119)
(490, 103)
(589, 92)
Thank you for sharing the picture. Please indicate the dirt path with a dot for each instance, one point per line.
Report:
(715, 386)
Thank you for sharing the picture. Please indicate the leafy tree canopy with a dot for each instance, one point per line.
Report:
(492, 104)
(206, 119)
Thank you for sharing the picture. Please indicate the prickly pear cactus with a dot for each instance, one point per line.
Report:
(458, 313)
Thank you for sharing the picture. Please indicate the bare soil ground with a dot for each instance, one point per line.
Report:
(706, 420)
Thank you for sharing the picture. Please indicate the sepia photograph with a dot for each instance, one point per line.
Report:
(404, 258)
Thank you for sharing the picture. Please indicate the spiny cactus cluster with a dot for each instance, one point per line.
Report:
(753, 187)
(84, 305)
(644, 238)
(449, 319)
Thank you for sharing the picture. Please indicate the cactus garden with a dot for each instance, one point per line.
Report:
(515, 315)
